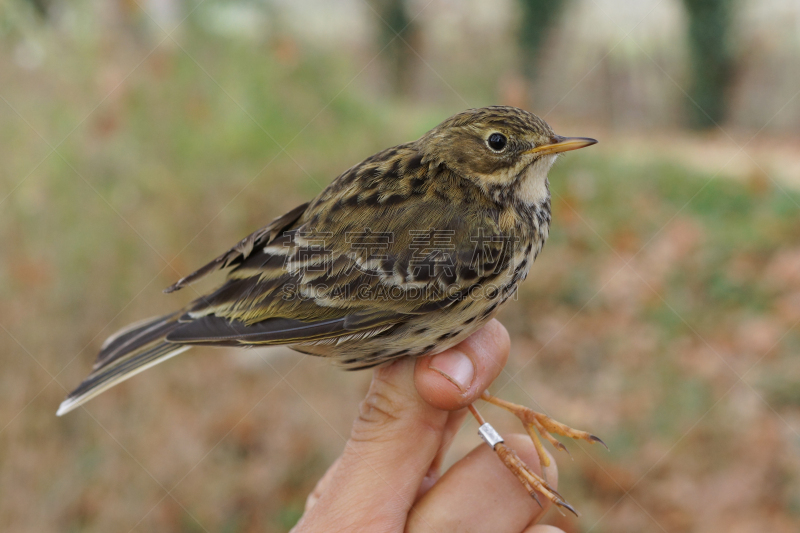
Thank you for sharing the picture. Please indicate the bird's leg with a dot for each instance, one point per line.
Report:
(532, 482)
(542, 424)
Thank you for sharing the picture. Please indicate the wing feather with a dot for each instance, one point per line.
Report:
(243, 249)
(377, 248)
(216, 330)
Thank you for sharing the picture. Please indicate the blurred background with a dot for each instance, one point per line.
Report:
(139, 138)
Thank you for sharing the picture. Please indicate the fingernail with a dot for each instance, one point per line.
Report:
(455, 366)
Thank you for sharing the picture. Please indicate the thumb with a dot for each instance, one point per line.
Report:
(398, 434)
(391, 447)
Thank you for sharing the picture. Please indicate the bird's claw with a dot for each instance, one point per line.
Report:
(543, 425)
(531, 481)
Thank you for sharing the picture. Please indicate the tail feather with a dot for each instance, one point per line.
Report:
(124, 355)
(134, 336)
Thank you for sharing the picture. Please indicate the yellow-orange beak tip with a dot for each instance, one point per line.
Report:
(563, 144)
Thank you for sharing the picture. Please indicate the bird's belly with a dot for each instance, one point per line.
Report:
(431, 333)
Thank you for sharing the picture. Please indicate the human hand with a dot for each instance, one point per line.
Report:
(388, 477)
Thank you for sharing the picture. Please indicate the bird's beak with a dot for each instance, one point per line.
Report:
(562, 144)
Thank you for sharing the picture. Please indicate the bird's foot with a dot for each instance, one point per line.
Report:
(532, 482)
(545, 426)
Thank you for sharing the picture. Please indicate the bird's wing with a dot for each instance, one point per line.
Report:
(380, 245)
(243, 248)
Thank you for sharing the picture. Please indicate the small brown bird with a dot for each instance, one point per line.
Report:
(406, 253)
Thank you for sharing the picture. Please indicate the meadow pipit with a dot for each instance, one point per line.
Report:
(406, 253)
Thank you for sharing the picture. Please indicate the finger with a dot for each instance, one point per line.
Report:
(392, 444)
(454, 421)
(394, 441)
(322, 485)
(456, 377)
(541, 528)
(479, 493)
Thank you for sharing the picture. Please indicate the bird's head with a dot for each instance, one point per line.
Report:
(496, 146)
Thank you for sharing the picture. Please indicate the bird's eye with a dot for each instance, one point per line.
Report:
(497, 142)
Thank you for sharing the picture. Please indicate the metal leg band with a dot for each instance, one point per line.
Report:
(490, 435)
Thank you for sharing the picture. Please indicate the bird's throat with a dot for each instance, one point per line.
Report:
(532, 187)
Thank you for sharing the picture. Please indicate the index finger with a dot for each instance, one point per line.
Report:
(479, 493)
